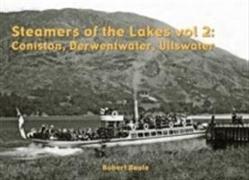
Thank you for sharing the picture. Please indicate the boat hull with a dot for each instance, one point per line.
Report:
(118, 141)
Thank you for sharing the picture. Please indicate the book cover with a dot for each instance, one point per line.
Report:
(129, 90)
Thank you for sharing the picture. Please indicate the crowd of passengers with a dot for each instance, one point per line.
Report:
(52, 133)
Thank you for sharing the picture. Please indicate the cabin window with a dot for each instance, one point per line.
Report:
(147, 134)
(159, 132)
(153, 133)
(165, 132)
(140, 134)
(176, 131)
(110, 124)
(189, 130)
(170, 132)
(133, 135)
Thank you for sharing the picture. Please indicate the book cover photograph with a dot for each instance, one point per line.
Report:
(124, 90)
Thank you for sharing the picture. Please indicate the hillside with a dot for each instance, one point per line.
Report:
(77, 83)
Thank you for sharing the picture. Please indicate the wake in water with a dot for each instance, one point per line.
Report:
(34, 151)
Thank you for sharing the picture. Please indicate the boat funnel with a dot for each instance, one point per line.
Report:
(136, 115)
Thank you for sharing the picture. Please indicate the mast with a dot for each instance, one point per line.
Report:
(135, 83)
(136, 115)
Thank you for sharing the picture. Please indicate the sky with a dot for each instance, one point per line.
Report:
(229, 18)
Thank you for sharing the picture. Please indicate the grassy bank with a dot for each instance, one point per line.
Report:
(206, 164)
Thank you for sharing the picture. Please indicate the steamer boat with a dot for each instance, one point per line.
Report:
(115, 130)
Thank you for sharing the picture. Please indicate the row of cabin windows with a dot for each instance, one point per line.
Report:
(154, 133)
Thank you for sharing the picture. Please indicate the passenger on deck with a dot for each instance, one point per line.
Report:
(51, 132)
(42, 129)
(131, 125)
(89, 133)
(236, 119)
(66, 135)
(106, 110)
(102, 111)
(94, 134)
(79, 134)
(45, 134)
(32, 133)
(174, 117)
(234, 116)
(73, 134)
(212, 120)
(58, 133)
(51, 129)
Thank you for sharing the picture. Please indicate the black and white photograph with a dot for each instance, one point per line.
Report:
(124, 90)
